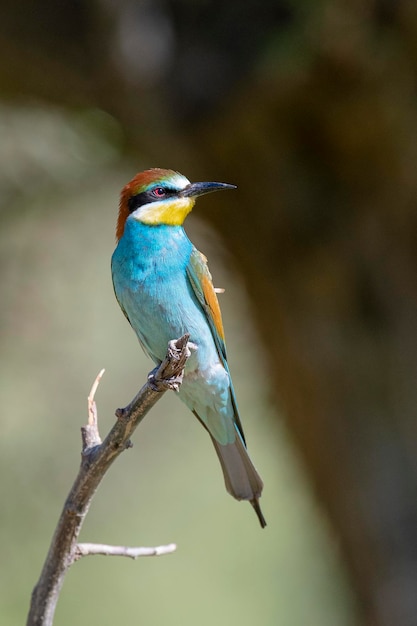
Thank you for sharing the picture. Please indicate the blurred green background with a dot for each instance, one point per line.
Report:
(310, 108)
(60, 325)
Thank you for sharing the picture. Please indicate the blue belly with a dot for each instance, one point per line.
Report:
(152, 287)
(149, 268)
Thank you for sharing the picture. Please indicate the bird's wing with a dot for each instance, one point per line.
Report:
(202, 284)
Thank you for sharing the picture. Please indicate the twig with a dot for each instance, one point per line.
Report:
(95, 461)
(87, 549)
(89, 432)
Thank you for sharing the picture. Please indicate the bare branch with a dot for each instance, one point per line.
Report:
(96, 459)
(89, 432)
(87, 549)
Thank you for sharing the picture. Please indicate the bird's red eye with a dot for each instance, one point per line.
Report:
(159, 192)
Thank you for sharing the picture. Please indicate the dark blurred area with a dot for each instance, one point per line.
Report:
(311, 109)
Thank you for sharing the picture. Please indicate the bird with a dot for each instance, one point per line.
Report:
(164, 288)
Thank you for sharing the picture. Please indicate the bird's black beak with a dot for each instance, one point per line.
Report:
(199, 189)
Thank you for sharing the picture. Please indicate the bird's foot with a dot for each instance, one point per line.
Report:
(170, 373)
(164, 384)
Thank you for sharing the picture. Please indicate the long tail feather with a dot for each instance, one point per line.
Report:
(240, 476)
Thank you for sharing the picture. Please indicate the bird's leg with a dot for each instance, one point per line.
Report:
(157, 383)
(169, 374)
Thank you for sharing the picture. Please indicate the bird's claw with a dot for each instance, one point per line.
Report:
(170, 373)
(164, 384)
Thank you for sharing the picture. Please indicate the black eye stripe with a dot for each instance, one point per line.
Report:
(145, 197)
(136, 201)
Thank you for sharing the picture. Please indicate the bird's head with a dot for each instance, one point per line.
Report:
(159, 196)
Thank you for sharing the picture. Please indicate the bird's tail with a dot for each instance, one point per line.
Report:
(240, 476)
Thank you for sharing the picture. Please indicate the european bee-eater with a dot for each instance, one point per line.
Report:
(164, 288)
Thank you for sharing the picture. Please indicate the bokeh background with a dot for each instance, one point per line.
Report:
(311, 109)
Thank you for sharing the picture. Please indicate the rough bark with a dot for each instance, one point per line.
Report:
(96, 459)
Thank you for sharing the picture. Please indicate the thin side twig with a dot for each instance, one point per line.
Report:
(87, 549)
(96, 459)
(89, 433)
